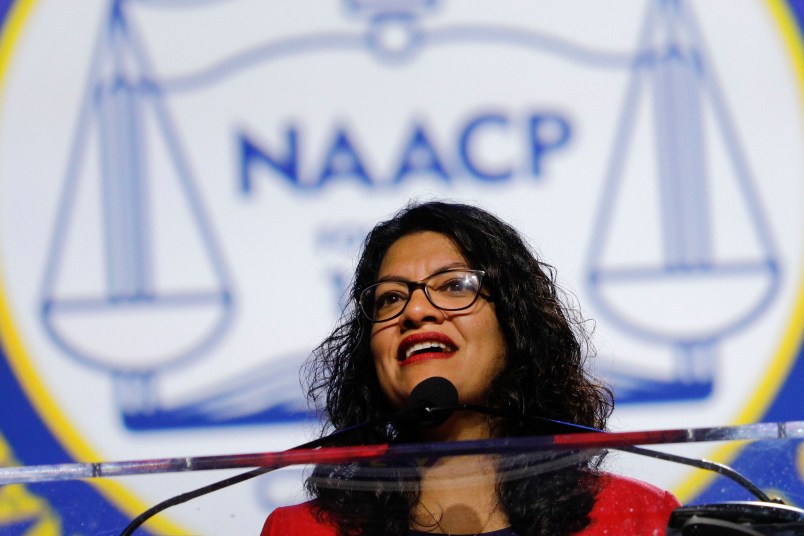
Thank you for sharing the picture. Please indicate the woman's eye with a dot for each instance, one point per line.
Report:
(456, 285)
(388, 299)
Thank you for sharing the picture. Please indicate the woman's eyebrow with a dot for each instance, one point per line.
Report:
(443, 268)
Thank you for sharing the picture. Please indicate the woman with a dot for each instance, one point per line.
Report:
(449, 290)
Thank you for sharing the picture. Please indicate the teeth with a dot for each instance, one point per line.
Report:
(418, 347)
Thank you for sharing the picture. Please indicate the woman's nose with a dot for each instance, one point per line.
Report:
(419, 310)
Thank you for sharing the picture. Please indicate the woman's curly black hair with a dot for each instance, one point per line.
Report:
(545, 375)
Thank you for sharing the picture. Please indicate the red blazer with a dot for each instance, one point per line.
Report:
(623, 506)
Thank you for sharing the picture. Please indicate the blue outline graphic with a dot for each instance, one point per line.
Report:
(116, 103)
(682, 82)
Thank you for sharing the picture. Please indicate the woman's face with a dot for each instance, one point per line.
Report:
(468, 346)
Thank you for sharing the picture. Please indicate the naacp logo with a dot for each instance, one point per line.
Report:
(193, 202)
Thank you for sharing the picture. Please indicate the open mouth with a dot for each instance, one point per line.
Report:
(431, 345)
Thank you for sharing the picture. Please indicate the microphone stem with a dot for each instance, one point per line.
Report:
(719, 468)
(231, 481)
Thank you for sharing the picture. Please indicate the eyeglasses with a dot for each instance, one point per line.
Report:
(450, 290)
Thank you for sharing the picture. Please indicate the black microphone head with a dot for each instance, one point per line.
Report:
(431, 394)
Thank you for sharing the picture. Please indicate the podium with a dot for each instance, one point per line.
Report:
(761, 494)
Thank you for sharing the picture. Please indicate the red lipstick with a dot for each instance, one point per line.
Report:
(419, 347)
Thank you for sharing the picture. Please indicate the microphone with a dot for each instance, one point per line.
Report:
(430, 403)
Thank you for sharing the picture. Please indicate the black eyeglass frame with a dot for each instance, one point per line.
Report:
(422, 284)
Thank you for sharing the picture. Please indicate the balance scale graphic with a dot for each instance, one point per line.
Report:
(690, 291)
(131, 225)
